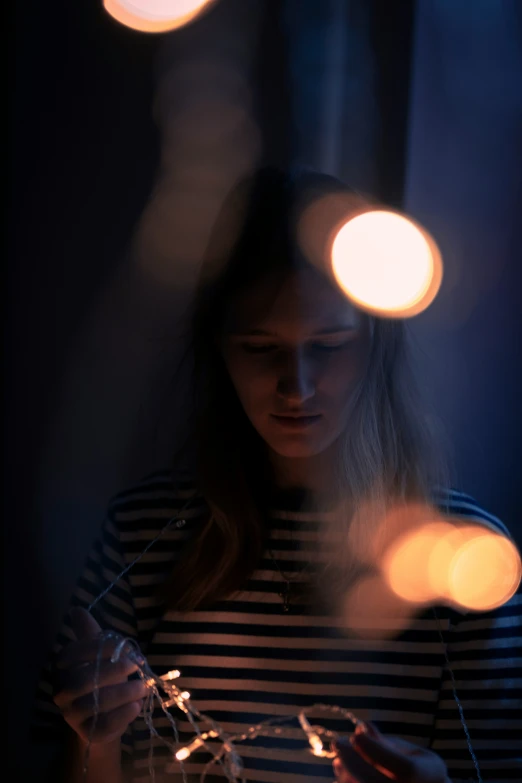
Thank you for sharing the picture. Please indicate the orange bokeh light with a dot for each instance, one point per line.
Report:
(485, 572)
(386, 264)
(443, 553)
(372, 610)
(155, 16)
(406, 563)
(452, 562)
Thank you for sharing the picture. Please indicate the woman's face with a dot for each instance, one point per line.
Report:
(295, 353)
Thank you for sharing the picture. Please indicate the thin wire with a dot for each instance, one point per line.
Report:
(91, 606)
(287, 594)
(138, 557)
(285, 577)
(457, 700)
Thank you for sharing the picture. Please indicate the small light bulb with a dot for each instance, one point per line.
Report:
(172, 675)
(313, 737)
(185, 695)
(184, 753)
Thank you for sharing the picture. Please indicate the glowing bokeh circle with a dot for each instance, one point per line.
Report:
(386, 264)
(155, 16)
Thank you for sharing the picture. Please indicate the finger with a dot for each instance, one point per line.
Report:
(382, 754)
(340, 772)
(369, 728)
(406, 761)
(85, 651)
(359, 768)
(83, 624)
(109, 698)
(110, 726)
(74, 682)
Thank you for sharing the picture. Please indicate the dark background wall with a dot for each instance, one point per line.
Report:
(464, 182)
(83, 154)
(421, 104)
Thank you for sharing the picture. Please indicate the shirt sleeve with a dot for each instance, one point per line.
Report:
(115, 611)
(458, 504)
(484, 676)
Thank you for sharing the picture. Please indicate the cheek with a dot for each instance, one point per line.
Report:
(341, 376)
(253, 384)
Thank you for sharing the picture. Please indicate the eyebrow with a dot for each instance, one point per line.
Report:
(339, 329)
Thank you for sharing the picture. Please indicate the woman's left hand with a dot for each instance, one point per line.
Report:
(372, 758)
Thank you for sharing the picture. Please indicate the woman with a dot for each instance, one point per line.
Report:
(306, 433)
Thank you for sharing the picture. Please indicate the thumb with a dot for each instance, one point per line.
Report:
(369, 729)
(83, 624)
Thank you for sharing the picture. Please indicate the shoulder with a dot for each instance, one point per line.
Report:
(156, 498)
(456, 503)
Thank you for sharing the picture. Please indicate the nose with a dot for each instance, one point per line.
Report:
(296, 384)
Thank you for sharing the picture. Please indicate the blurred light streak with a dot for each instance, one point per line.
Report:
(155, 16)
(210, 140)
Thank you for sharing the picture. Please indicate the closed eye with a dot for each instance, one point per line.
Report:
(329, 346)
(258, 348)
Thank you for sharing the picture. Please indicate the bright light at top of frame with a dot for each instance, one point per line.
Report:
(386, 264)
(155, 16)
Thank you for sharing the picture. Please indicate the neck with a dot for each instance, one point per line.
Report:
(309, 473)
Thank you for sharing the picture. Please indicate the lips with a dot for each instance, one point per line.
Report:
(297, 421)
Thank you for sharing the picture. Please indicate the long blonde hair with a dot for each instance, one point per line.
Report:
(387, 451)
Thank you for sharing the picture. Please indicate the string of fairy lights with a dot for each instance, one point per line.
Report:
(164, 693)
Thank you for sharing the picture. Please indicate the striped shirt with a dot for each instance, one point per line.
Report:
(245, 660)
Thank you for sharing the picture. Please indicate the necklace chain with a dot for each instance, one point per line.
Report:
(285, 594)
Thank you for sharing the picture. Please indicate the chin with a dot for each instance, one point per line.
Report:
(298, 450)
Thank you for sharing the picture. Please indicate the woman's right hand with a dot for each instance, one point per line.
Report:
(120, 699)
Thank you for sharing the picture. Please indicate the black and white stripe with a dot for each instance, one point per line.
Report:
(245, 661)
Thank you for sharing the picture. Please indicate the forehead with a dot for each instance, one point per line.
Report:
(302, 302)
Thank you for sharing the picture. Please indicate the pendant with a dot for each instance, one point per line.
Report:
(285, 596)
